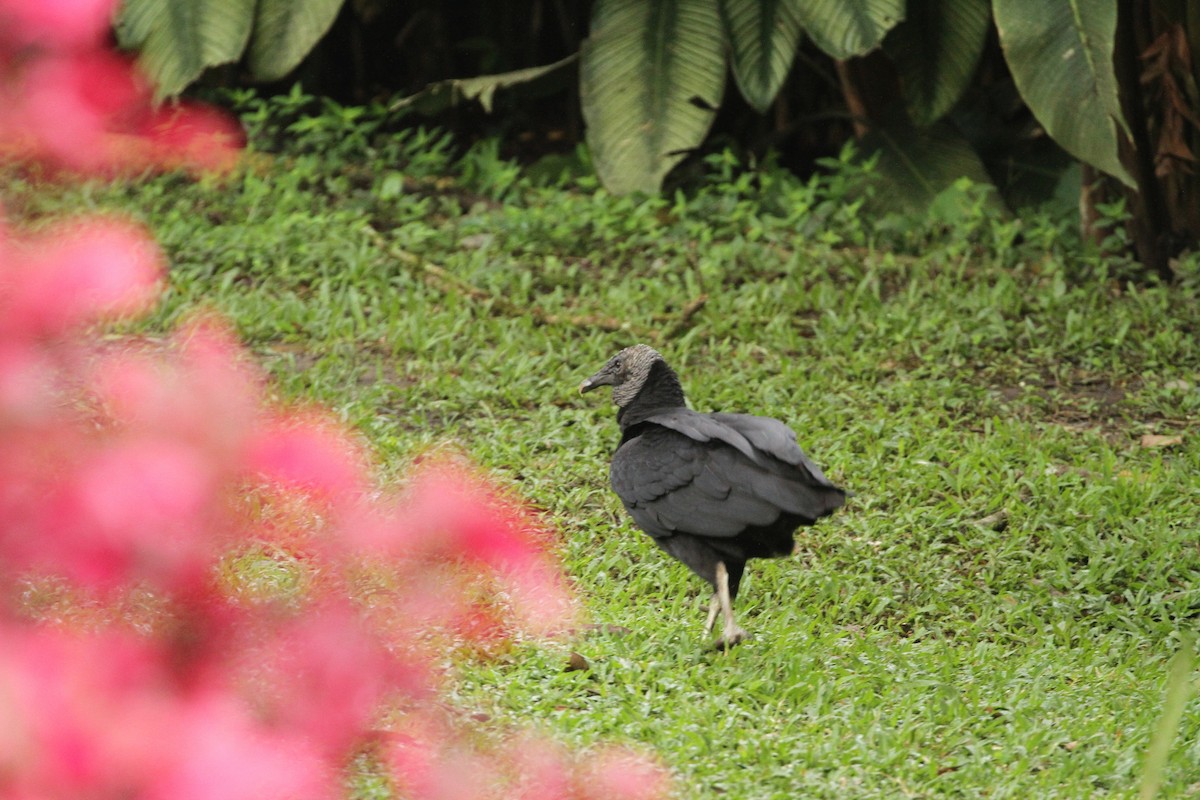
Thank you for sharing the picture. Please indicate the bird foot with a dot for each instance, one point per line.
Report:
(731, 637)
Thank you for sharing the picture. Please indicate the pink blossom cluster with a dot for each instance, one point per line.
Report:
(136, 466)
(143, 468)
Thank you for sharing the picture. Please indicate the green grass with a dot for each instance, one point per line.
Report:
(992, 615)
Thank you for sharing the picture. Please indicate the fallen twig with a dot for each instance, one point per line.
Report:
(436, 274)
(447, 281)
(684, 320)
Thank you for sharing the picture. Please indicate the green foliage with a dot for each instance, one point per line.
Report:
(936, 50)
(994, 612)
(442, 95)
(298, 124)
(763, 38)
(1179, 688)
(916, 165)
(1061, 56)
(651, 75)
(845, 28)
(177, 40)
(486, 172)
(284, 33)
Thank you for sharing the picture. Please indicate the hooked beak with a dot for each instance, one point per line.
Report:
(588, 385)
(604, 377)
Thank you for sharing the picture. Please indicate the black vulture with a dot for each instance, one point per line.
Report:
(712, 490)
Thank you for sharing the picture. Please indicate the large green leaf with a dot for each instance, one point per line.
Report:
(284, 33)
(845, 28)
(916, 166)
(651, 76)
(437, 97)
(1060, 53)
(936, 49)
(763, 37)
(178, 39)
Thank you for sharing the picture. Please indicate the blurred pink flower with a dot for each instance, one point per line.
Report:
(82, 715)
(66, 106)
(138, 509)
(307, 454)
(617, 772)
(199, 387)
(220, 752)
(326, 673)
(188, 135)
(447, 514)
(132, 466)
(66, 100)
(77, 272)
(542, 770)
(26, 378)
(411, 757)
(446, 509)
(55, 23)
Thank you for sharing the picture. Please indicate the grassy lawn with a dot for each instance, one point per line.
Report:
(993, 613)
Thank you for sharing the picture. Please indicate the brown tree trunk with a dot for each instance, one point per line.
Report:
(1150, 223)
(1091, 190)
(870, 88)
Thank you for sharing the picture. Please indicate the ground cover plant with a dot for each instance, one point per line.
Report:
(993, 614)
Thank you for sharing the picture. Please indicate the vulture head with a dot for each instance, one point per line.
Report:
(627, 373)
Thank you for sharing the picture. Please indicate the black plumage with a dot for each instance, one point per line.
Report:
(712, 490)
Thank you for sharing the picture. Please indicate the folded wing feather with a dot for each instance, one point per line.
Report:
(714, 475)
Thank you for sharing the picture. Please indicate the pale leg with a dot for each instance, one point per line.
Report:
(732, 634)
(714, 606)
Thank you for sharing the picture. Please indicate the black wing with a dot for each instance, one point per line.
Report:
(673, 483)
(773, 438)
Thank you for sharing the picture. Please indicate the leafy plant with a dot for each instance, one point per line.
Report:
(1061, 56)
(177, 40)
(651, 75)
(937, 49)
(922, 81)
(763, 39)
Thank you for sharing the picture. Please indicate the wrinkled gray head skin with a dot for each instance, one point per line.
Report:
(626, 372)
